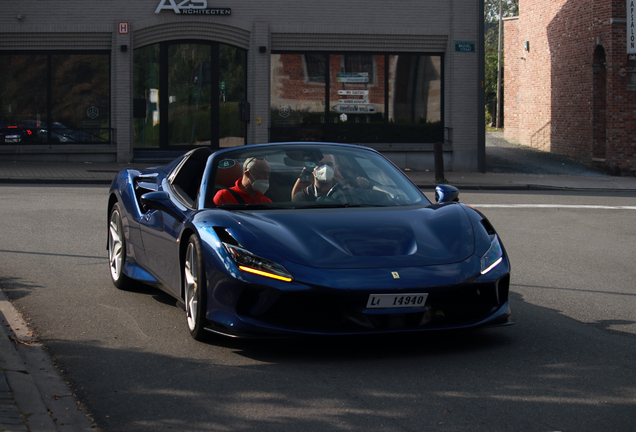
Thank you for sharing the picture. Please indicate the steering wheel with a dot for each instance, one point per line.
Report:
(340, 185)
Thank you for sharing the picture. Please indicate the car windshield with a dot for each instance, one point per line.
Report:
(308, 176)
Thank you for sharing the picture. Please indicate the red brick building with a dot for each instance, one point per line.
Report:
(568, 88)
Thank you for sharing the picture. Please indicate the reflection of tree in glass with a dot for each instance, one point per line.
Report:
(232, 66)
(79, 81)
(146, 70)
(189, 93)
(22, 87)
(232, 62)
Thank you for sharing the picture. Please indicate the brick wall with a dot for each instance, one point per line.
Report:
(562, 98)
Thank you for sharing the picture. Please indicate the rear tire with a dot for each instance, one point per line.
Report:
(117, 249)
(194, 289)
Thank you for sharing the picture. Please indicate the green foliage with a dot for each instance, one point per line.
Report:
(229, 123)
(509, 8)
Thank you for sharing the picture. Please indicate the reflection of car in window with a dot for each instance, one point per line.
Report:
(16, 133)
(59, 132)
(64, 134)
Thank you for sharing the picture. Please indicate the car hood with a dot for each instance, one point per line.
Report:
(364, 238)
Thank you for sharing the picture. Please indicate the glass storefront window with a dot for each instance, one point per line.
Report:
(79, 107)
(360, 63)
(356, 98)
(315, 67)
(80, 98)
(297, 97)
(146, 97)
(357, 91)
(22, 98)
(415, 97)
(188, 94)
(232, 69)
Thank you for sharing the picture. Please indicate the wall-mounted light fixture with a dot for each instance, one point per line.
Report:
(20, 17)
(123, 48)
(526, 46)
(262, 49)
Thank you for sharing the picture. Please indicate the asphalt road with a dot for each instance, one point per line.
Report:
(567, 365)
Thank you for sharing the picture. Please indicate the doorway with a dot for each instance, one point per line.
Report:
(186, 95)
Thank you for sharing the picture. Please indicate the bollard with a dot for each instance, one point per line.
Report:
(439, 163)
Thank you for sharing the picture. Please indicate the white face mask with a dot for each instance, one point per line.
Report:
(260, 185)
(324, 174)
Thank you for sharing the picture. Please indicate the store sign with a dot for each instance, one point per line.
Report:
(353, 77)
(631, 33)
(191, 7)
(355, 109)
(92, 112)
(284, 111)
(465, 47)
(353, 92)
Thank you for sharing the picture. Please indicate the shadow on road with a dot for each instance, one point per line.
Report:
(507, 157)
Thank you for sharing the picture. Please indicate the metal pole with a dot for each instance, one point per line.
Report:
(439, 162)
(481, 100)
(499, 95)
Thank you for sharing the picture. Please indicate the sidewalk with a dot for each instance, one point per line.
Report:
(103, 173)
(33, 394)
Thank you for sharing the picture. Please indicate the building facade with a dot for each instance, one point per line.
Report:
(150, 79)
(569, 86)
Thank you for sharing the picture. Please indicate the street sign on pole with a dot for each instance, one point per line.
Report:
(631, 33)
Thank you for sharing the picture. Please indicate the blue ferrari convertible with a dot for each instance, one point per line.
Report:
(290, 239)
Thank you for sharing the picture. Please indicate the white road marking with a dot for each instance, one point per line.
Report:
(563, 206)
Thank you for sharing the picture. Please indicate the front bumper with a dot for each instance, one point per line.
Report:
(280, 309)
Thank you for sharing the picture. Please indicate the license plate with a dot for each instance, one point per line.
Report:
(390, 301)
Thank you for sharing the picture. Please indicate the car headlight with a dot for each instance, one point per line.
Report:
(493, 256)
(248, 262)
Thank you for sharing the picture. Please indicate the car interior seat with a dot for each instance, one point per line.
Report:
(228, 171)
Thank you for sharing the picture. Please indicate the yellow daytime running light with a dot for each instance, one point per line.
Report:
(266, 274)
(492, 266)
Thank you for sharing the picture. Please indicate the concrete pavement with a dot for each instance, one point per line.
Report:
(103, 173)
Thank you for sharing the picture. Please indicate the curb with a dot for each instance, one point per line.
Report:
(60, 181)
(30, 400)
(20, 397)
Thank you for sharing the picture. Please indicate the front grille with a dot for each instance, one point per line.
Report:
(343, 311)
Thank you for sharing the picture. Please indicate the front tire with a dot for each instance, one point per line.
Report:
(117, 249)
(194, 289)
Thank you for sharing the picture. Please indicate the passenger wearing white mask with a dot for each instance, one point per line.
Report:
(325, 174)
(250, 188)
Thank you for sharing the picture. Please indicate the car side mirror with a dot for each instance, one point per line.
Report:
(160, 201)
(446, 193)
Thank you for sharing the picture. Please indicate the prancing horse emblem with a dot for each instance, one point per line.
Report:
(395, 275)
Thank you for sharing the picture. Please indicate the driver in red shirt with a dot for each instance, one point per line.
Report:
(250, 188)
